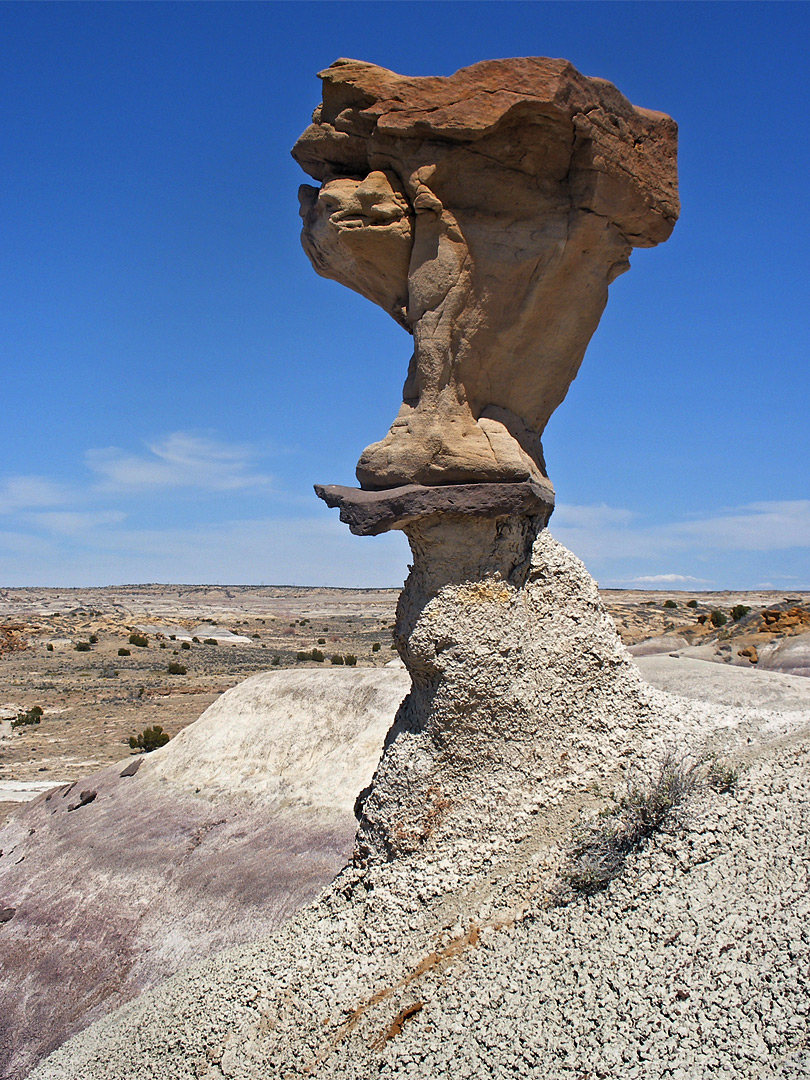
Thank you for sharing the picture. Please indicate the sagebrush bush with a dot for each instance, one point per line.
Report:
(82, 646)
(670, 604)
(739, 611)
(140, 641)
(350, 659)
(28, 718)
(210, 641)
(177, 669)
(93, 639)
(185, 644)
(337, 659)
(722, 776)
(375, 647)
(692, 603)
(717, 618)
(151, 738)
(600, 847)
(124, 652)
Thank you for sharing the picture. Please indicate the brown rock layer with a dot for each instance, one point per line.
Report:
(368, 513)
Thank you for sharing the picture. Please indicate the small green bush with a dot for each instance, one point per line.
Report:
(718, 618)
(49, 647)
(162, 645)
(210, 641)
(739, 611)
(82, 646)
(196, 639)
(375, 647)
(185, 645)
(94, 639)
(276, 661)
(177, 669)
(151, 738)
(172, 637)
(141, 641)
(350, 659)
(321, 640)
(124, 652)
(337, 659)
(26, 719)
(692, 603)
(670, 604)
(722, 777)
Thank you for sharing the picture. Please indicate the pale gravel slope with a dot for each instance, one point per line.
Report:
(461, 925)
(694, 965)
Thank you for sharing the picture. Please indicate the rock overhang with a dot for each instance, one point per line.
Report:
(560, 125)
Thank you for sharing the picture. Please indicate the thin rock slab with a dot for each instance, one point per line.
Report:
(368, 513)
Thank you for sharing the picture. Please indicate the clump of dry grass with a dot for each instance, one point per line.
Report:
(600, 847)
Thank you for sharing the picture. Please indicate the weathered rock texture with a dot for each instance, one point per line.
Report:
(448, 960)
(214, 841)
(520, 687)
(368, 513)
(487, 212)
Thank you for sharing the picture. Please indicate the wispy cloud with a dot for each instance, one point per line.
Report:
(759, 526)
(29, 492)
(668, 579)
(292, 551)
(181, 460)
(595, 532)
(599, 516)
(73, 522)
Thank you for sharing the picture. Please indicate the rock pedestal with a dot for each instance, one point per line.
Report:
(487, 212)
(522, 693)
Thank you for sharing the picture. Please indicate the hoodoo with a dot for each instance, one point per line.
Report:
(488, 213)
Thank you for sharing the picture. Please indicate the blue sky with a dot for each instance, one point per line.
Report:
(176, 377)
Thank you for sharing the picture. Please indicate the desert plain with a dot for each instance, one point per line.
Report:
(93, 699)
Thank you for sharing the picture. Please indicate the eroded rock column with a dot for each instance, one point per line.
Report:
(488, 213)
(522, 693)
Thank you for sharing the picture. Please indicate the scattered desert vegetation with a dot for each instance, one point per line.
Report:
(600, 846)
(95, 697)
(151, 738)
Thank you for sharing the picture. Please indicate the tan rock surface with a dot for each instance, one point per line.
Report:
(487, 212)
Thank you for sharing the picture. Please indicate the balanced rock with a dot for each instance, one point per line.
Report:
(487, 212)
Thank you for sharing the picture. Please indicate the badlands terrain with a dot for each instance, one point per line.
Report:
(127, 869)
(94, 700)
